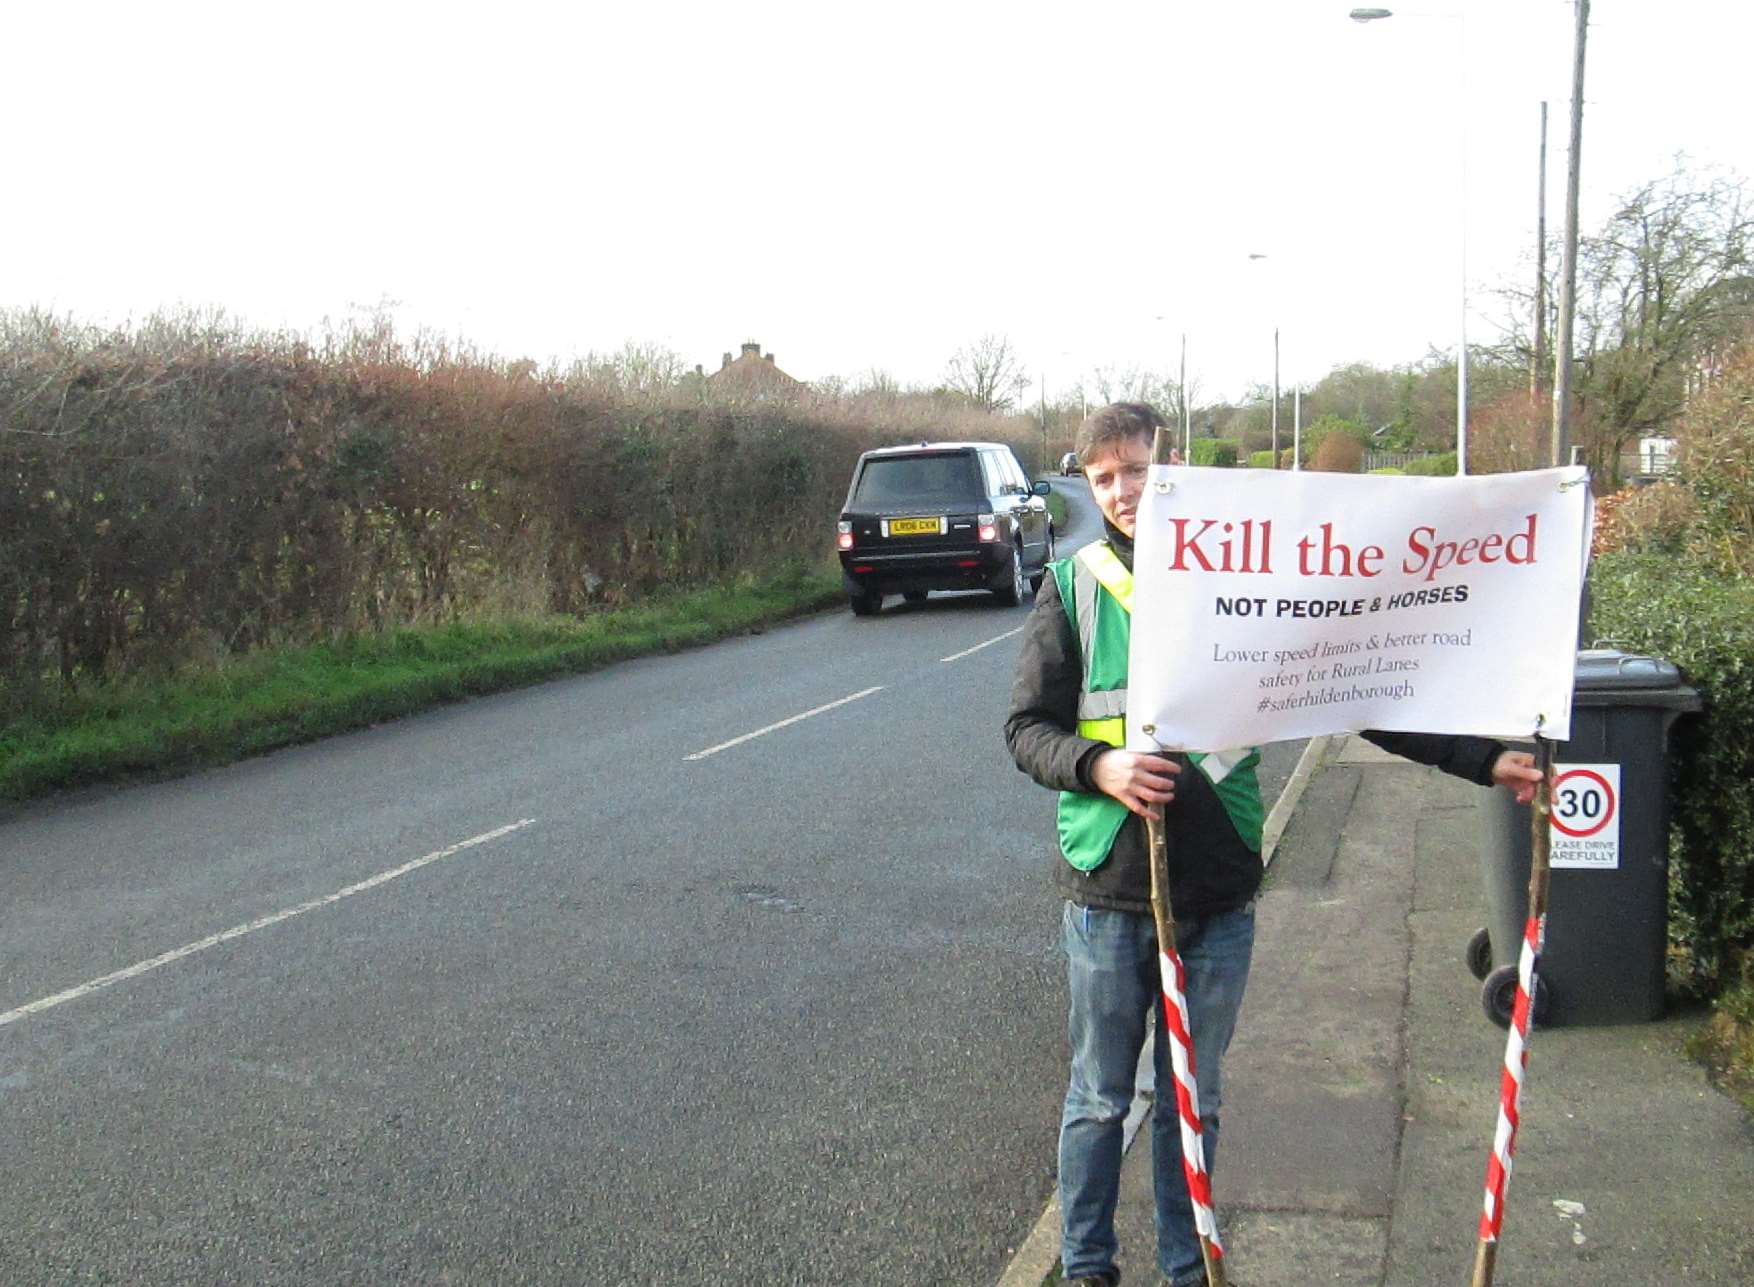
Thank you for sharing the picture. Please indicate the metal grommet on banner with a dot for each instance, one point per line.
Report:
(1164, 486)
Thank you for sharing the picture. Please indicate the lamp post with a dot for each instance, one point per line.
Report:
(1186, 426)
(1187, 409)
(1375, 15)
(1256, 257)
(1296, 428)
(1064, 362)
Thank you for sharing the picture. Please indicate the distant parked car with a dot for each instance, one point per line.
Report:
(942, 516)
(1069, 463)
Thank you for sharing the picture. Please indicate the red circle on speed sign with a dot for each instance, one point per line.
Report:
(1590, 779)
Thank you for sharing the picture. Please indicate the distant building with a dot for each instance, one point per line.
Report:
(752, 374)
(1656, 457)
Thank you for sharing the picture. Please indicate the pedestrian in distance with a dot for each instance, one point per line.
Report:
(1067, 729)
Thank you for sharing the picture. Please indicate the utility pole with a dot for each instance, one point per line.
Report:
(1182, 389)
(1275, 397)
(1538, 363)
(1561, 453)
(1047, 465)
(1296, 427)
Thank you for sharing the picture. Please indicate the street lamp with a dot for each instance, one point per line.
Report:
(1255, 256)
(1374, 15)
(1182, 393)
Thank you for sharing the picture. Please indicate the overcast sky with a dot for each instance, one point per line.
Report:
(855, 186)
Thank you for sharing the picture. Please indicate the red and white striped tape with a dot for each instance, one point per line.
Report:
(1187, 1096)
(1510, 1084)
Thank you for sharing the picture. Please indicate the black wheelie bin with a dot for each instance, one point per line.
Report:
(1607, 907)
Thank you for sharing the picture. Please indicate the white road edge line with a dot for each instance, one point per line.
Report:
(738, 741)
(958, 656)
(261, 922)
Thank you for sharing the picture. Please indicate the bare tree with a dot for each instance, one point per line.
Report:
(1663, 288)
(878, 383)
(988, 373)
(643, 368)
(1135, 384)
(1668, 281)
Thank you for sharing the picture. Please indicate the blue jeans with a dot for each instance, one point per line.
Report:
(1111, 961)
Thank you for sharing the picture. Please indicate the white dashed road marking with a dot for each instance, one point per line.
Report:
(250, 927)
(958, 656)
(738, 741)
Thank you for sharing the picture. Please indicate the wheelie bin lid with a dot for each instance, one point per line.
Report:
(1613, 677)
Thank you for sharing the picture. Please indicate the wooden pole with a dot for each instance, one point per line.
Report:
(1561, 446)
(1161, 445)
(1275, 397)
(1498, 1166)
(1485, 1259)
(1187, 411)
(1538, 363)
(1160, 912)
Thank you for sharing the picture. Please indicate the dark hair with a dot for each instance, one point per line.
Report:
(1115, 423)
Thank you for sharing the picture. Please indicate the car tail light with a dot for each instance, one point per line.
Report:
(844, 535)
(989, 526)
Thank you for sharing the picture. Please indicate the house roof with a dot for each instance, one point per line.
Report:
(753, 371)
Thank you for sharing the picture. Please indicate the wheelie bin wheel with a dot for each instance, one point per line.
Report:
(1479, 955)
(1498, 995)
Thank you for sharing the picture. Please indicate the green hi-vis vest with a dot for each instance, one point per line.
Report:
(1097, 591)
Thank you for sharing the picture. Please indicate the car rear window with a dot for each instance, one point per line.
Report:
(919, 480)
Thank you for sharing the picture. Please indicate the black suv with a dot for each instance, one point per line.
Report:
(942, 516)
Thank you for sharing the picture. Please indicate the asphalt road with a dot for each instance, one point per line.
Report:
(579, 983)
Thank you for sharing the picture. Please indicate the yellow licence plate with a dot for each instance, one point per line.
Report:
(915, 526)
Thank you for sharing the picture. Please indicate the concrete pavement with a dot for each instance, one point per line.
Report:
(1361, 1089)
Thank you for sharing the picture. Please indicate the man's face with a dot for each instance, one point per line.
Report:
(1117, 479)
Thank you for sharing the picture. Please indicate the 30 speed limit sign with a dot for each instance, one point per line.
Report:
(1586, 816)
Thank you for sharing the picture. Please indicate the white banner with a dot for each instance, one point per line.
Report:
(1276, 604)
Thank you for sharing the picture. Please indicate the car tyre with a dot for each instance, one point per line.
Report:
(865, 603)
(1011, 591)
(1047, 557)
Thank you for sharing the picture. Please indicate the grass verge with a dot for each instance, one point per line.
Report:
(279, 697)
(1057, 509)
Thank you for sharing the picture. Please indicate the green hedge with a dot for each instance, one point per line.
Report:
(1440, 466)
(1704, 623)
(1223, 452)
(182, 491)
(1261, 459)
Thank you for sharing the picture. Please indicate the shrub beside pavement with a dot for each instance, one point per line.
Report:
(1704, 623)
(1674, 578)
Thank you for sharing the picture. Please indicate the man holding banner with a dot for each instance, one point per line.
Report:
(1069, 729)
